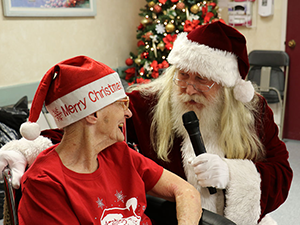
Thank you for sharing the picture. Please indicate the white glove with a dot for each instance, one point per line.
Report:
(211, 170)
(18, 153)
(17, 163)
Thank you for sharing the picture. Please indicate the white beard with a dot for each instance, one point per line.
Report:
(209, 115)
(209, 122)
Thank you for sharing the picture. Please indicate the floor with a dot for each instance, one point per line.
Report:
(288, 213)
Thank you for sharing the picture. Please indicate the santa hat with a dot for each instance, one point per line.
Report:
(216, 51)
(72, 90)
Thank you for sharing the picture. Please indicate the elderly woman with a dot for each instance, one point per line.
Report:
(92, 176)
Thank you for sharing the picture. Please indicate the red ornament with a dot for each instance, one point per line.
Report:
(129, 62)
(140, 27)
(163, 1)
(157, 9)
(140, 43)
(180, 5)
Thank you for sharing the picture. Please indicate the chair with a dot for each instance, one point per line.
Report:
(269, 73)
(161, 211)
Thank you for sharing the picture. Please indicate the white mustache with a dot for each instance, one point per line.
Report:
(196, 98)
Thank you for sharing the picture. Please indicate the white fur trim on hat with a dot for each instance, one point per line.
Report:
(217, 65)
(243, 91)
(86, 100)
(30, 130)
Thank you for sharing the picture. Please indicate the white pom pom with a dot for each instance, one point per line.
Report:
(243, 91)
(30, 131)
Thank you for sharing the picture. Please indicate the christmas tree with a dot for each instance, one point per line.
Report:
(161, 21)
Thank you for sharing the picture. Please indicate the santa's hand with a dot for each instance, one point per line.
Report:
(16, 162)
(18, 153)
(211, 171)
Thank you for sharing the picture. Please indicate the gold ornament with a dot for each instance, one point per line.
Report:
(151, 4)
(138, 61)
(170, 27)
(161, 46)
(195, 9)
(146, 21)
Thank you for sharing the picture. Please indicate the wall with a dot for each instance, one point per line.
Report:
(266, 33)
(30, 46)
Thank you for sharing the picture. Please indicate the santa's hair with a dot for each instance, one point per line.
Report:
(238, 137)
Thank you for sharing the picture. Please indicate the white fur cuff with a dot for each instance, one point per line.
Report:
(243, 192)
(30, 149)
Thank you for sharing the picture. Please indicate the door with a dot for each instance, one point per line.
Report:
(292, 47)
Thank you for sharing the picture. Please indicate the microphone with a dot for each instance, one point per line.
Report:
(191, 124)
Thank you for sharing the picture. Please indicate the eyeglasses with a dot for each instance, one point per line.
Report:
(197, 85)
(125, 102)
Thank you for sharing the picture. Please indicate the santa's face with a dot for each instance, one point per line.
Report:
(207, 105)
(196, 86)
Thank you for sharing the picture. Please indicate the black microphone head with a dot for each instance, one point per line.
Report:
(190, 122)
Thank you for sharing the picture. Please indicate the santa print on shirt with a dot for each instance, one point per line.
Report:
(113, 194)
(125, 215)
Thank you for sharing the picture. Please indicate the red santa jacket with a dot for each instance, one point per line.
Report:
(275, 171)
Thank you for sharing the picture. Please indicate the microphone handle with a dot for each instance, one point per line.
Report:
(196, 140)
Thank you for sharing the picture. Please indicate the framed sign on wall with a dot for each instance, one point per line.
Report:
(49, 8)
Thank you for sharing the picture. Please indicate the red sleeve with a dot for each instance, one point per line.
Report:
(34, 209)
(149, 171)
(276, 173)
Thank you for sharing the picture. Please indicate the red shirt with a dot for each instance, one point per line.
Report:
(53, 194)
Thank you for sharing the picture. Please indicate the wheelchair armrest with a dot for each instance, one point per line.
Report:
(163, 212)
(10, 196)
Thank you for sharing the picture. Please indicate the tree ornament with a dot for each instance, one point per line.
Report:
(157, 9)
(170, 27)
(195, 9)
(144, 55)
(147, 35)
(129, 61)
(180, 5)
(138, 61)
(146, 21)
(154, 16)
(161, 46)
(140, 43)
(151, 4)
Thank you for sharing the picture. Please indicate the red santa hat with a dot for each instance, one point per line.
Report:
(216, 51)
(72, 90)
